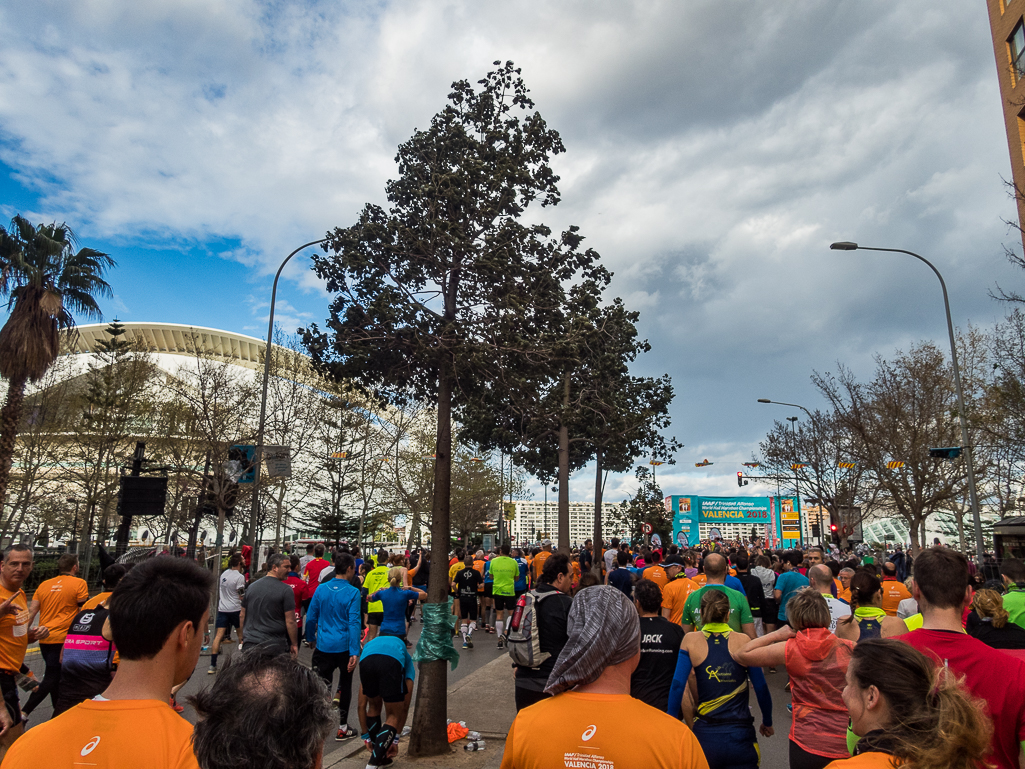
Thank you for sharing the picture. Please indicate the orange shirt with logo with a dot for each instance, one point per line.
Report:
(699, 579)
(674, 597)
(539, 564)
(613, 731)
(58, 604)
(116, 733)
(13, 632)
(657, 575)
(893, 593)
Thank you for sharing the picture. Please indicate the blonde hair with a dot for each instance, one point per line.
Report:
(988, 603)
(395, 576)
(715, 607)
(808, 609)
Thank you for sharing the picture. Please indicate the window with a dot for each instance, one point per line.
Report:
(1016, 49)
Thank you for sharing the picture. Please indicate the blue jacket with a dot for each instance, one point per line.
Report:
(333, 619)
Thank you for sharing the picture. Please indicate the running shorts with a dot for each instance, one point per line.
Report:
(382, 676)
(375, 618)
(468, 608)
(505, 603)
(488, 588)
(9, 688)
(228, 619)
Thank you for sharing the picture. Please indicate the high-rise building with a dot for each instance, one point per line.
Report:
(536, 520)
(1007, 22)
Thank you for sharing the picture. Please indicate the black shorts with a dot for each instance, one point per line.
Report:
(487, 589)
(9, 688)
(375, 618)
(228, 619)
(468, 608)
(382, 676)
(505, 602)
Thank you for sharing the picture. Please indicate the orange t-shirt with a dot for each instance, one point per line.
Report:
(59, 599)
(844, 594)
(114, 734)
(479, 568)
(699, 579)
(675, 596)
(893, 593)
(657, 575)
(607, 730)
(539, 564)
(92, 603)
(575, 573)
(866, 761)
(13, 632)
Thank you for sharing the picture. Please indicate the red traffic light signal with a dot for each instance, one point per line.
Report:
(832, 527)
(740, 480)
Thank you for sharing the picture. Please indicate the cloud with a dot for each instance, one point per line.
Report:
(714, 150)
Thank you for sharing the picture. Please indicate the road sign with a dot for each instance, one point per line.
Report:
(279, 461)
(646, 528)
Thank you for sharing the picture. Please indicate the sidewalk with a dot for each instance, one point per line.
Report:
(484, 700)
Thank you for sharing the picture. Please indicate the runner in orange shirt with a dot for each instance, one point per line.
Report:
(158, 614)
(655, 572)
(675, 594)
(57, 601)
(539, 560)
(15, 637)
(894, 590)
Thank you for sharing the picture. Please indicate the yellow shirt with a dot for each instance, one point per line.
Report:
(108, 735)
(59, 599)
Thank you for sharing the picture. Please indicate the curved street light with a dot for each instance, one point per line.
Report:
(258, 453)
(972, 495)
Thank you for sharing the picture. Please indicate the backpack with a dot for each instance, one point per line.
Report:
(524, 641)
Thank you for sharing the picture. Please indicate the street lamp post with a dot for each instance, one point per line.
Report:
(797, 480)
(811, 421)
(258, 454)
(972, 495)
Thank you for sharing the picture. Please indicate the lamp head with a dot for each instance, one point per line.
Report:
(791, 419)
(844, 245)
(764, 400)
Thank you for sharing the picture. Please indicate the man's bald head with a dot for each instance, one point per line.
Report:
(715, 568)
(820, 578)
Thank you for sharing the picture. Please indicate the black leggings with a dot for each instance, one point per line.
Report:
(802, 759)
(50, 684)
(527, 697)
(325, 663)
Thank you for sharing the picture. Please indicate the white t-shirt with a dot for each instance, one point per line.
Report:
(907, 608)
(837, 611)
(233, 584)
(610, 558)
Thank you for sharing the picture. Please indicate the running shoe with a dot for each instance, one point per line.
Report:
(177, 708)
(470, 644)
(384, 762)
(345, 732)
(501, 642)
(337, 698)
(212, 670)
(465, 645)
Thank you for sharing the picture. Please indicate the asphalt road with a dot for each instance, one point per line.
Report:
(774, 750)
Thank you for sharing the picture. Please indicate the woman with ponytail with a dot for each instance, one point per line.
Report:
(394, 599)
(909, 712)
(993, 628)
(868, 620)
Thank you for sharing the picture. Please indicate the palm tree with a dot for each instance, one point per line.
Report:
(45, 280)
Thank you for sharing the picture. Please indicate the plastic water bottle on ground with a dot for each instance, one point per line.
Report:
(475, 745)
(406, 730)
(473, 736)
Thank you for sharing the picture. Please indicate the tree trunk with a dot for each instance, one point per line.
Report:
(564, 473)
(599, 542)
(429, 736)
(10, 421)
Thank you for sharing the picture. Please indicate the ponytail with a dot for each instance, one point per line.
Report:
(864, 585)
(395, 576)
(988, 603)
(935, 723)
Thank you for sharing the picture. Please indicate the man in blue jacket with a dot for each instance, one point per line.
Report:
(333, 629)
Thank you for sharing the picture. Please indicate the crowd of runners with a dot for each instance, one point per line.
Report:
(624, 656)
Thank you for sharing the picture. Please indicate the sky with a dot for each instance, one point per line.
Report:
(715, 148)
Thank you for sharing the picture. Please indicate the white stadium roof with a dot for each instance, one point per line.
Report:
(178, 339)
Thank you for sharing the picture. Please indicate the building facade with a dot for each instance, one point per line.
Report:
(537, 520)
(1007, 23)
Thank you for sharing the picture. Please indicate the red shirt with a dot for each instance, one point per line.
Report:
(312, 576)
(1003, 692)
(298, 590)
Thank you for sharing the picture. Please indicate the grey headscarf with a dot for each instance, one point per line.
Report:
(603, 630)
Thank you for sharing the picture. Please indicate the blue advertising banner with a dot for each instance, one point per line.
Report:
(775, 518)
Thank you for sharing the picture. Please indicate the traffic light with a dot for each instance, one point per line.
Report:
(740, 480)
(950, 452)
(834, 533)
(815, 531)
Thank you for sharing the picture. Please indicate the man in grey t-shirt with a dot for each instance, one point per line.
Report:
(268, 611)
